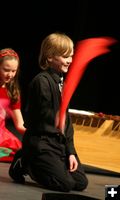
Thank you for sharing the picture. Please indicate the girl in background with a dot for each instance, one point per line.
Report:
(10, 105)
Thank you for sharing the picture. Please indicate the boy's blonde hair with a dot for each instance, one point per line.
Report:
(55, 44)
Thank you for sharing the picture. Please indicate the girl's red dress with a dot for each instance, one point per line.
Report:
(7, 138)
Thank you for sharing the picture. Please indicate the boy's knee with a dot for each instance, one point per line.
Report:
(58, 185)
(68, 186)
(82, 185)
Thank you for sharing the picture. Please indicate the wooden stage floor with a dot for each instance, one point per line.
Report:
(31, 191)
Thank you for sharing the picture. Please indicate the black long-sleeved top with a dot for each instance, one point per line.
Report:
(43, 103)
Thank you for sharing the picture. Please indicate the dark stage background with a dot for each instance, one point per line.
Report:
(24, 25)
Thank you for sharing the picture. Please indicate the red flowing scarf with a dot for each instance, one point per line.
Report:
(85, 51)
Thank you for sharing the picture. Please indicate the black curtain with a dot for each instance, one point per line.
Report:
(23, 27)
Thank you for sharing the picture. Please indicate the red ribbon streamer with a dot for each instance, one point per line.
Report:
(85, 51)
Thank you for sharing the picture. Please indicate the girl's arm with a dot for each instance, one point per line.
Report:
(18, 120)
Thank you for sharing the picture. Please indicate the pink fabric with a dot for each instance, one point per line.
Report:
(7, 139)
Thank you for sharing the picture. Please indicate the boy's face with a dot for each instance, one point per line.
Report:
(61, 63)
